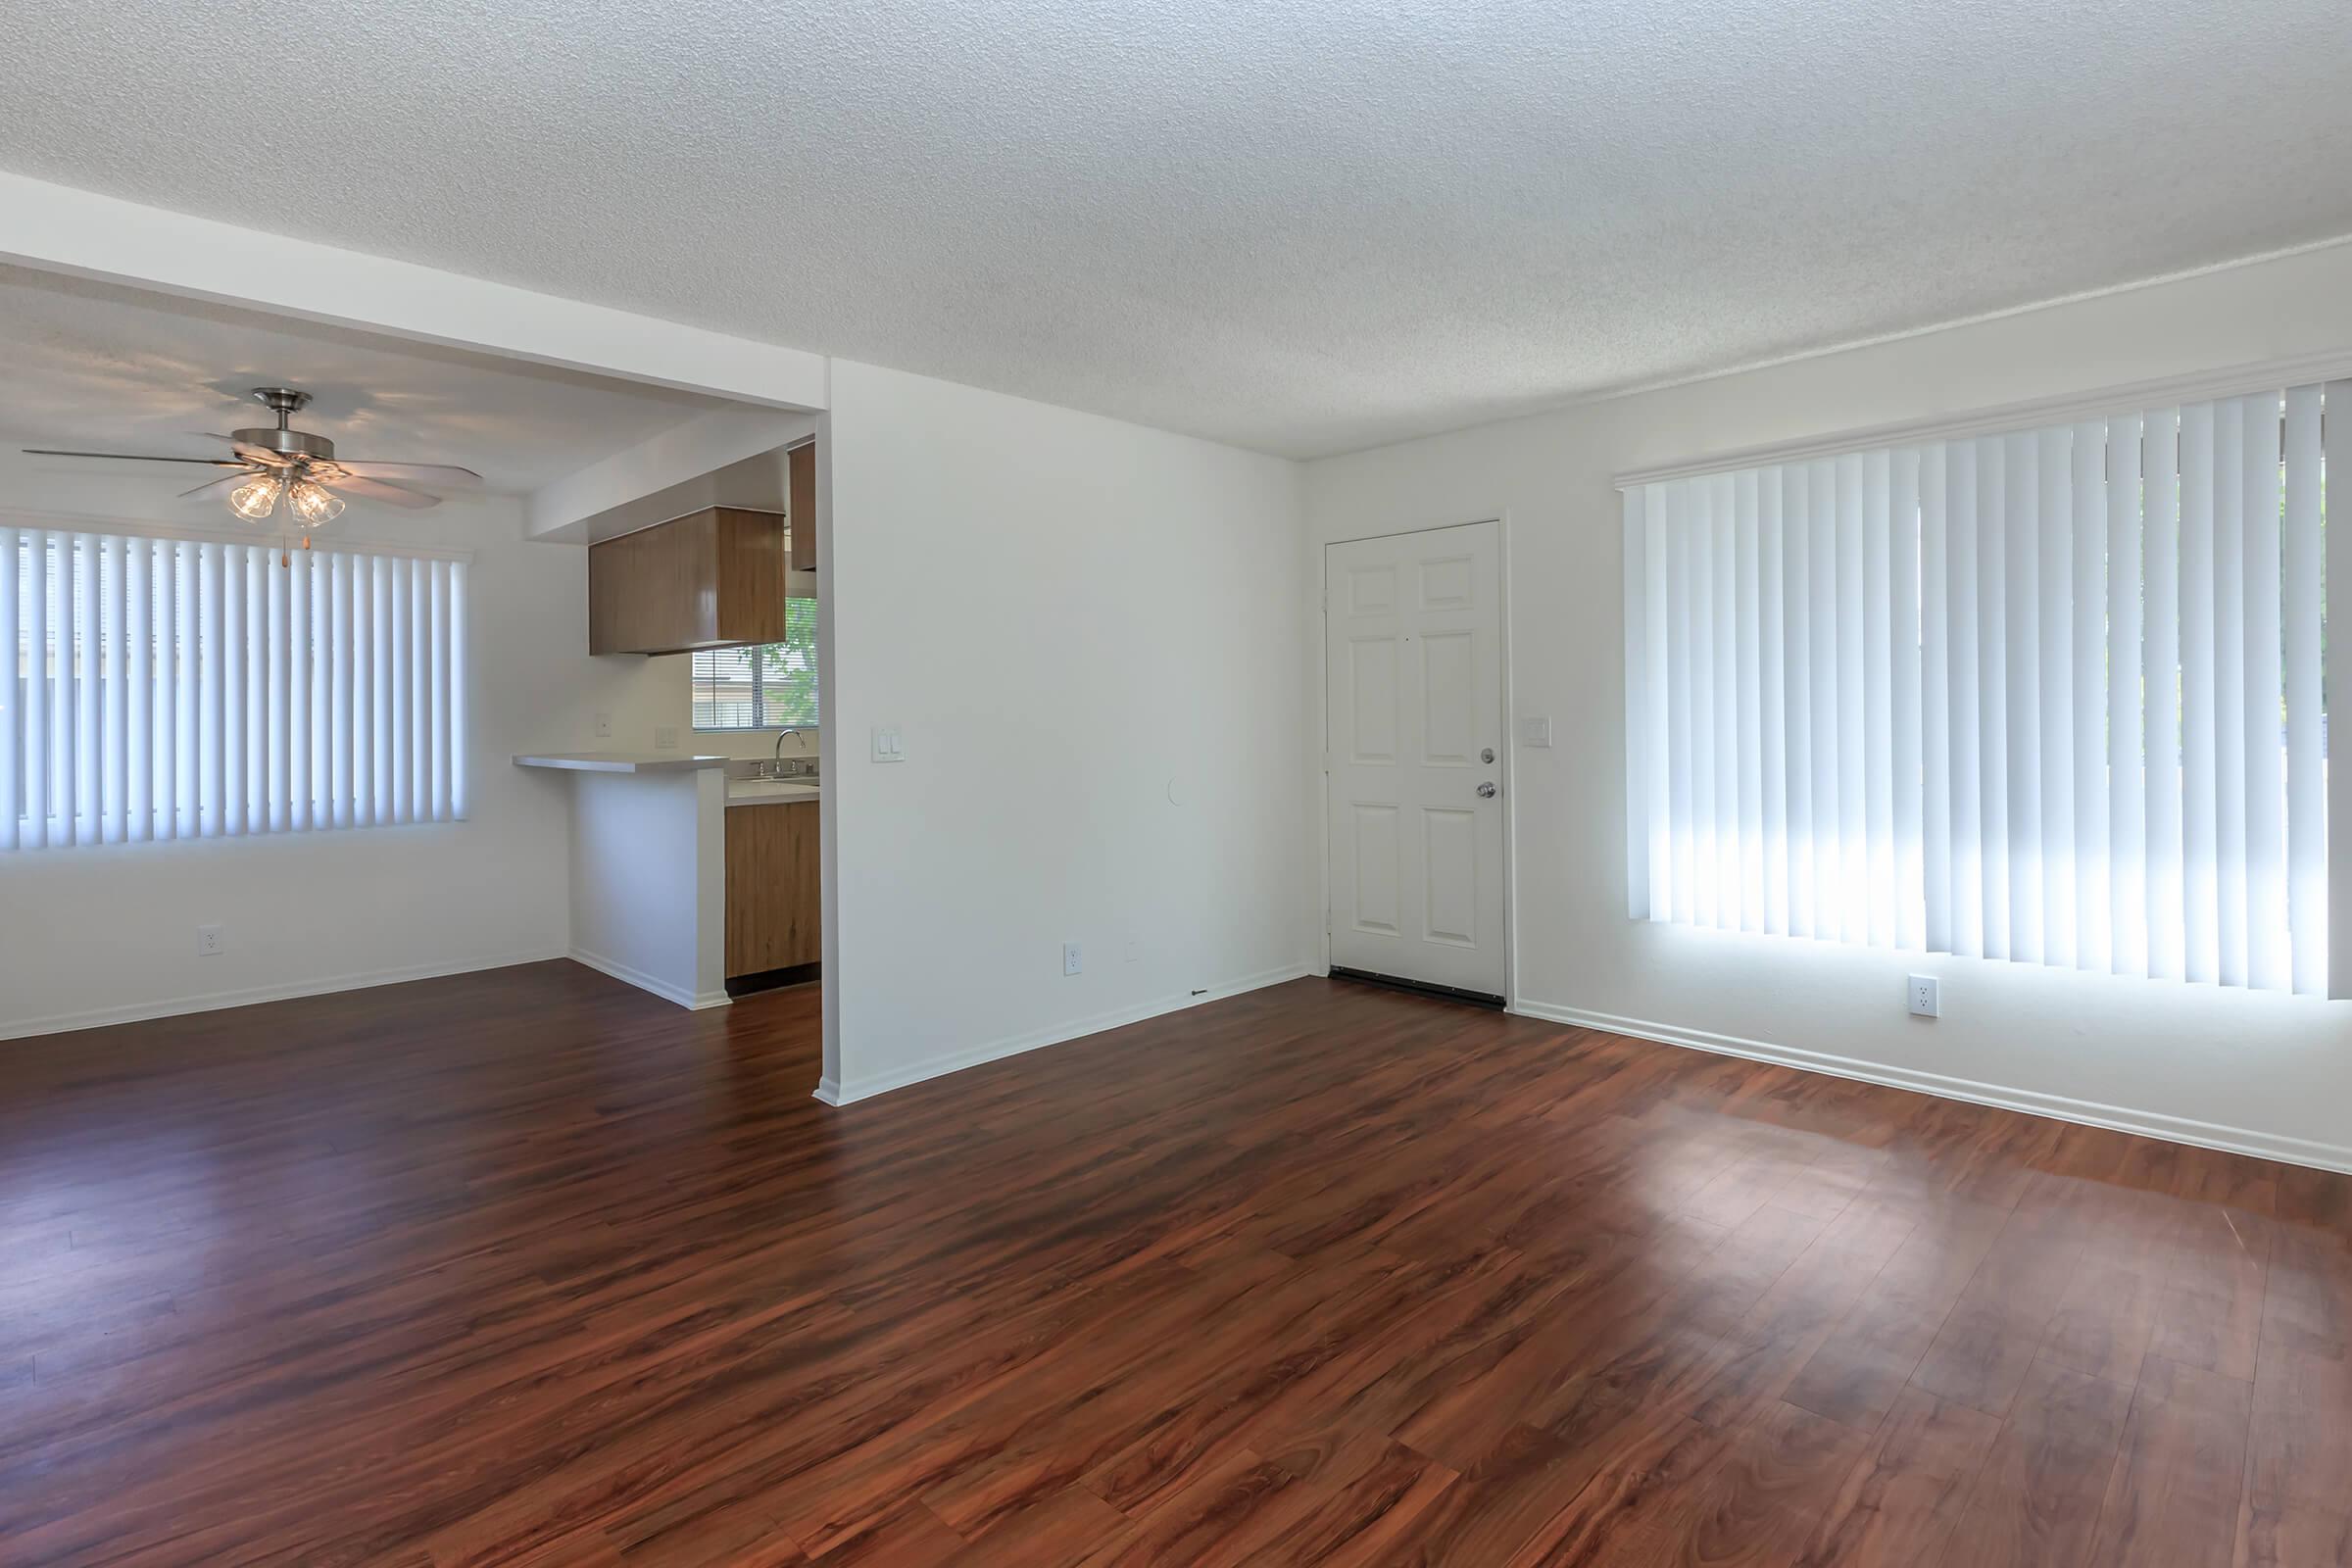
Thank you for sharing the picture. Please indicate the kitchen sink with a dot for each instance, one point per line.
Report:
(771, 786)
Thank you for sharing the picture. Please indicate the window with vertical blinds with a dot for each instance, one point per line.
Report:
(2053, 696)
(180, 689)
(770, 686)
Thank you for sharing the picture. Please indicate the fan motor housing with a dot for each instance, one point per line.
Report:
(288, 442)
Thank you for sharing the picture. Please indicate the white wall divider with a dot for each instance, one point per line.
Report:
(193, 688)
(2051, 695)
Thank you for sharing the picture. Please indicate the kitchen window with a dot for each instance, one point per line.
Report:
(766, 686)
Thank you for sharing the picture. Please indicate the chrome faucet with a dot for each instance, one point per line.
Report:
(776, 764)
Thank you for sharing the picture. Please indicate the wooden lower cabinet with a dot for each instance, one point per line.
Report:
(773, 898)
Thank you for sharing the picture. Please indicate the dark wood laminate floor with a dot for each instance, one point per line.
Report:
(526, 1268)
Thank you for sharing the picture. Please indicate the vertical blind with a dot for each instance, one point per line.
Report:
(177, 689)
(767, 686)
(2052, 696)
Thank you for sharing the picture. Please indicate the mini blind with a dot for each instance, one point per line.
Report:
(2052, 696)
(177, 689)
(769, 686)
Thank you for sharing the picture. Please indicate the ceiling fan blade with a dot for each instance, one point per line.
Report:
(448, 475)
(130, 456)
(261, 455)
(391, 495)
(212, 484)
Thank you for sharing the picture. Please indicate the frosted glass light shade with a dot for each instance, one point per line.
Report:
(255, 499)
(314, 504)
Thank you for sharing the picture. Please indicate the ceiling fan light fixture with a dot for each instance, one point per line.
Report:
(272, 464)
(255, 499)
(313, 502)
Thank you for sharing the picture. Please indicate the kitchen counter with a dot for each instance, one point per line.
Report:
(619, 762)
(770, 792)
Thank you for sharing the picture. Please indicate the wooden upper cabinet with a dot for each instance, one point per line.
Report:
(711, 579)
(801, 503)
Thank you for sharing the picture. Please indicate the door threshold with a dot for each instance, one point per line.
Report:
(1421, 988)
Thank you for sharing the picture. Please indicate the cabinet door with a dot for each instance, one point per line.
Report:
(712, 579)
(657, 589)
(801, 502)
(773, 892)
(750, 576)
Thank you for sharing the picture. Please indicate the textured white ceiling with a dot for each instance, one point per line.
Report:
(93, 367)
(1301, 227)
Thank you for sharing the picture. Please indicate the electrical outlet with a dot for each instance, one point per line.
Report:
(1071, 960)
(603, 726)
(210, 940)
(666, 738)
(1135, 950)
(1923, 994)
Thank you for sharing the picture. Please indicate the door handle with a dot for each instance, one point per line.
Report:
(1485, 792)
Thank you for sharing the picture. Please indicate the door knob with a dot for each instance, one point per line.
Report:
(1485, 792)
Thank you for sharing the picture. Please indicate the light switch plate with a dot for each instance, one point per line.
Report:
(1535, 731)
(666, 738)
(603, 726)
(888, 746)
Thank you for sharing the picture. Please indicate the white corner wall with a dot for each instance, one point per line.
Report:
(1088, 634)
(2257, 1072)
(649, 881)
(108, 933)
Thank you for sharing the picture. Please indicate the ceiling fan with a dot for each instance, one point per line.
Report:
(300, 471)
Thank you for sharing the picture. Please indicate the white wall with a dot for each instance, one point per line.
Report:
(93, 934)
(1071, 620)
(649, 881)
(2265, 1073)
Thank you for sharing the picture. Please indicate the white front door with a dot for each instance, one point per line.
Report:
(1413, 699)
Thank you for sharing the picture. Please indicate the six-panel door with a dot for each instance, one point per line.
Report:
(1414, 711)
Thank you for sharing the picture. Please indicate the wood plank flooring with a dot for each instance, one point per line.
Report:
(526, 1268)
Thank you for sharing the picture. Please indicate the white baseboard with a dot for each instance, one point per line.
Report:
(692, 999)
(2116, 1118)
(213, 1001)
(834, 1093)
